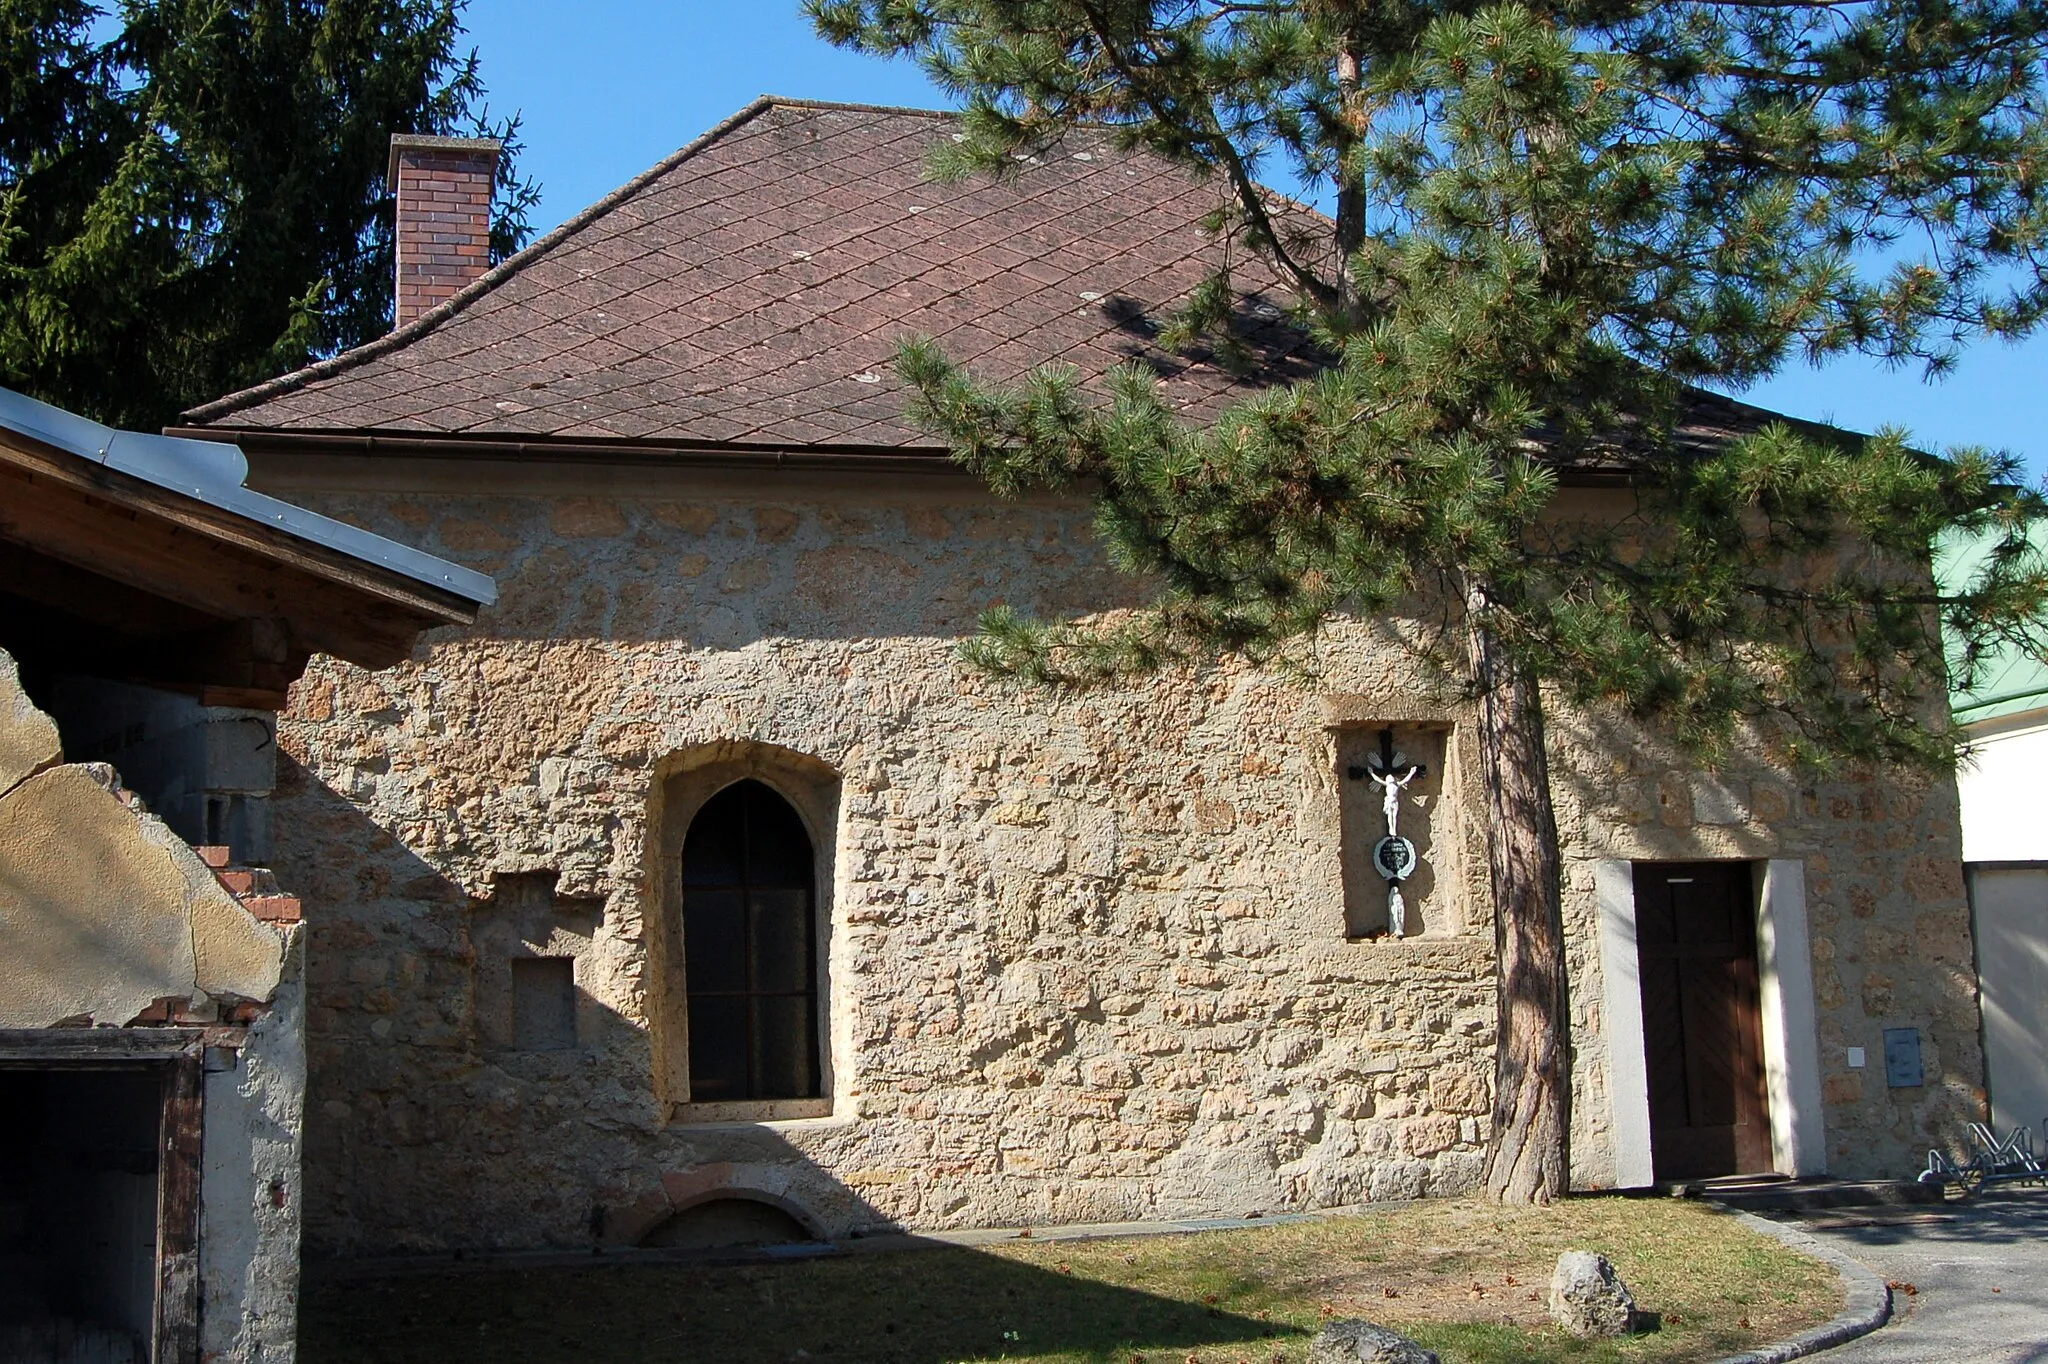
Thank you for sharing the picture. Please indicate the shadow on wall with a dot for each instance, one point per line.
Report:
(724, 569)
(471, 1089)
(925, 1306)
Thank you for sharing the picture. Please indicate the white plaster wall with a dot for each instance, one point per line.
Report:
(1799, 1143)
(249, 1196)
(2005, 811)
(2010, 906)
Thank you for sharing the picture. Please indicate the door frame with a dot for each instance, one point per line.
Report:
(1791, 1034)
(177, 1055)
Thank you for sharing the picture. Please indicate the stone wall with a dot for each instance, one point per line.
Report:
(1088, 953)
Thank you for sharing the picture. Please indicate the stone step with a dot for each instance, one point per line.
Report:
(1777, 1194)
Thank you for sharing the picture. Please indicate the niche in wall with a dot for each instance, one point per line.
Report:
(1424, 817)
(528, 938)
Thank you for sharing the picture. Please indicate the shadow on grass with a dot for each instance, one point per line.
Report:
(927, 1307)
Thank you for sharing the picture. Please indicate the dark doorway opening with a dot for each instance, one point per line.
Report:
(79, 1195)
(1702, 1019)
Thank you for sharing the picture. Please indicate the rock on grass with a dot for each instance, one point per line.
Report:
(1362, 1342)
(1588, 1299)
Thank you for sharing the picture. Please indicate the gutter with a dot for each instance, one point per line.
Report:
(596, 450)
(613, 450)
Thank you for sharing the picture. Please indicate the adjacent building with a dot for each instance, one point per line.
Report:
(153, 613)
(2005, 855)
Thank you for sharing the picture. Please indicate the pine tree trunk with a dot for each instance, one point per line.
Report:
(1350, 186)
(1529, 1159)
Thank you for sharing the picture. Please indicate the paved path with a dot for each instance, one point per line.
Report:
(1981, 1270)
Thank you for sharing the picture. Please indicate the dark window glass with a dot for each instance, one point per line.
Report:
(715, 939)
(750, 944)
(781, 942)
(718, 1048)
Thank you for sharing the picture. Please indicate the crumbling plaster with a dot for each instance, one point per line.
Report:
(250, 1193)
(1088, 952)
(104, 911)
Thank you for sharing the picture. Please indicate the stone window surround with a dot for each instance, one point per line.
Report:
(1786, 998)
(683, 783)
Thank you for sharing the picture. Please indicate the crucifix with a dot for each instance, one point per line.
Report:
(1393, 857)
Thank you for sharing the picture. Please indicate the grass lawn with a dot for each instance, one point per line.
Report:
(1464, 1278)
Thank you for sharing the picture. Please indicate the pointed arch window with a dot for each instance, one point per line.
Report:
(750, 948)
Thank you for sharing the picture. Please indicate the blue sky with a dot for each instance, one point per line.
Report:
(609, 87)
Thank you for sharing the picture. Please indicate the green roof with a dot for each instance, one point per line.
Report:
(2009, 681)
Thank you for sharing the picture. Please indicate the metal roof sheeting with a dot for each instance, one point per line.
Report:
(2010, 681)
(212, 472)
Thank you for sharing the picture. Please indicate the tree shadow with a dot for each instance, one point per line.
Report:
(2000, 1215)
(1260, 341)
(924, 1306)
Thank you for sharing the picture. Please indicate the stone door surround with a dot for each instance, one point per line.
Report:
(1790, 1028)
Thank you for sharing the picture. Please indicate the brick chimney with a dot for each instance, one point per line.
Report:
(443, 186)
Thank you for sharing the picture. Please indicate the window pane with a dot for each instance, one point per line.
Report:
(785, 1048)
(782, 939)
(714, 940)
(718, 1049)
(778, 849)
(712, 849)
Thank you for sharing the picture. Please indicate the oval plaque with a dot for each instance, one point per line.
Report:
(1394, 858)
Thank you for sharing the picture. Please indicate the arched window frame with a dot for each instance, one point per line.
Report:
(684, 784)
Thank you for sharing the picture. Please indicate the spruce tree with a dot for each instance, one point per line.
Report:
(1551, 223)
(192, 191)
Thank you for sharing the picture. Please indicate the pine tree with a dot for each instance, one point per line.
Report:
(1551, 222)
(192, 191)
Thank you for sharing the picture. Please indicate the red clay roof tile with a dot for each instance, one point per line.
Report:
(736, 291)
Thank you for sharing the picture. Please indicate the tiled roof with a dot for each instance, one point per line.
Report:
(752, 288)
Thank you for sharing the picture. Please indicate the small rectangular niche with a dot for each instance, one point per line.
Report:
(1425, 819)
(543, 1003)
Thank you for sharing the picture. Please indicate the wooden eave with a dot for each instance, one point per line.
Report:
(149, 564)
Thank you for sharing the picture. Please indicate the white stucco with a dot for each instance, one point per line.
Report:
(1791, 1034)
(250, 1194)
(1628, 1078)
(2005, 818)
(2010, 908)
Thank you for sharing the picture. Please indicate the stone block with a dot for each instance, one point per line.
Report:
(1716, 802)
(1674, 801)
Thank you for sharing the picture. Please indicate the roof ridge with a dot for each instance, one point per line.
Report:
(483, 284)
(795, 102)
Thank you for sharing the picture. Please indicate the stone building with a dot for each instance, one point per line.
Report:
(697, 892)
(152, 1051)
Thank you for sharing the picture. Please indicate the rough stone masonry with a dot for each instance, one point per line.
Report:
(1092, 957)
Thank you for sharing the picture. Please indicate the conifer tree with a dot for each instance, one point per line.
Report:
(1551, 223)
(192, 191)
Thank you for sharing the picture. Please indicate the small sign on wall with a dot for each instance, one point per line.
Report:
(1902, 1058)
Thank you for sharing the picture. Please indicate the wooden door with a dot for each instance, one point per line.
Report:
(1702, 1024)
